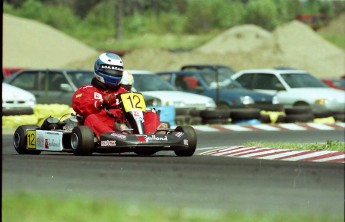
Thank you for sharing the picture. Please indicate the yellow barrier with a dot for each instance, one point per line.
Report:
(41, 112)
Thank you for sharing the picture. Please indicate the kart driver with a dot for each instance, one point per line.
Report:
(89, 100)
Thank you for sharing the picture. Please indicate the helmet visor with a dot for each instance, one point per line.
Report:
(111, 70)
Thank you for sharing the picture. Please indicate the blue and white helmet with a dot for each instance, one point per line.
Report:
(109, 69)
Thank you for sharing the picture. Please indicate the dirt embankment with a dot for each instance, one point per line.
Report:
(30, 44)
(291, 45)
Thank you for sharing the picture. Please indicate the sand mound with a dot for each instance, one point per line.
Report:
(301, 47)
(30, 44)
(245, 38)
(244, 47)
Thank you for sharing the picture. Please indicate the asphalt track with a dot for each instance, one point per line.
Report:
(197, 182)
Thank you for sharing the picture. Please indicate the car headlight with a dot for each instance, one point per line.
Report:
(321, 101)
(275, 100)
(246, 100)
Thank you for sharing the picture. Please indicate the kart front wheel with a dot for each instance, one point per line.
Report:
(20, 140)
(82, 141)
(192, 141)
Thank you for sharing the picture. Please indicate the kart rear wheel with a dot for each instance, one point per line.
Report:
(20, 140)
(82, 141)
(192, 141)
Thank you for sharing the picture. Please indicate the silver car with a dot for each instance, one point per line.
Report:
(150, 84)
(293, 88)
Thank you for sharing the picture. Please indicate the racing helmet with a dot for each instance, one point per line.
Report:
(108, 69)
(127, 80)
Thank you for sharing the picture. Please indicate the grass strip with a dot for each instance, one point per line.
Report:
(27, 207)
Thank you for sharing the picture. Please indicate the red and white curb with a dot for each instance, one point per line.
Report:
(278, 154)
(273, 127)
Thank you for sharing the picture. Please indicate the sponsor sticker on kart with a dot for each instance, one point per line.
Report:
(47, 140)
(147, 138)
(108, 143)
(119, 136)
(179, 134)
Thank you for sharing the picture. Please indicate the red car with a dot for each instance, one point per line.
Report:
(9, 71)
(335, 83)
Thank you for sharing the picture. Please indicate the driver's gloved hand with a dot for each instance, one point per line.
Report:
(109, 100)
(99, 104)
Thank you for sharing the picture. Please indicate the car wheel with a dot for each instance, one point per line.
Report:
(20, 140)
(82, 141)
(192, 141)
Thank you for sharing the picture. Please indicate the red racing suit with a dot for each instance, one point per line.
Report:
(87, 102)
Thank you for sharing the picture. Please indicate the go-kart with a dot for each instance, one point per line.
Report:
(70, 135)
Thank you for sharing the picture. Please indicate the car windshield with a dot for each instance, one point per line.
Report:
(151, 82)
(302, 80)
(80, 78)
(223, 80)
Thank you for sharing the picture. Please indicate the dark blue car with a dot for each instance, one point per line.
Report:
(226, 92)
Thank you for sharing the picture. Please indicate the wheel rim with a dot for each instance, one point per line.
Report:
(16, 140)
(74, 141)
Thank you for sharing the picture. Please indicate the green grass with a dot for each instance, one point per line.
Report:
(26, 207)
(328, 145)
(151, 41)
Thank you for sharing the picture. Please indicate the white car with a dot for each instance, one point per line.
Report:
(16, 101)
(293, 88)
(150, 84)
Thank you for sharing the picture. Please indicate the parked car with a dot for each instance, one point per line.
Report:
(16, 101)
(209, 67)
(150, 84)
(51, 85)
(293, 88)
(7, 71)
(226, 92)
(335, 83)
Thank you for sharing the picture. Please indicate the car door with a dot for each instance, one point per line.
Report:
(267, 83)
(57, 93)
(30, 81)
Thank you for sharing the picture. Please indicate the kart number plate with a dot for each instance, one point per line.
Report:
(31, 139)
(133, 101)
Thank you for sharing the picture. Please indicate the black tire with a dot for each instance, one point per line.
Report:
(303, 118)
(82, 141)
(182, 111)
(322, 113)
(192, 141)
(20, 140)
(243, 114)
(195, 120)
(339, 117)
(215, 114)
(216, 121)
(298, 110)
(265, 118)
(195, 112)
(182, 119)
